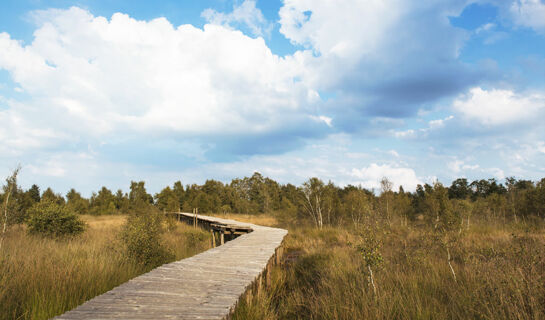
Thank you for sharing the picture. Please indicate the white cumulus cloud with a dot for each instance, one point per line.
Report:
(370, 177)
(90, 76)
(497, 107)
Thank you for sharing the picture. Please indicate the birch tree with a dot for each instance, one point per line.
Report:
(11, 185)
(313, 202)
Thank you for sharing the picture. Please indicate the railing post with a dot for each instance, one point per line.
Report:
(194, 217)
(213, 238)
(268, 275)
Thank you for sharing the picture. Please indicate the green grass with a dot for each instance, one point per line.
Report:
(41, 278)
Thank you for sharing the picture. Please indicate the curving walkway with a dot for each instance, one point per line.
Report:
(205, 286)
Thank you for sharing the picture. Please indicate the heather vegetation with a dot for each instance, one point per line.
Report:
(473, 249)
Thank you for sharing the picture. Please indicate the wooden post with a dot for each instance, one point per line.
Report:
(278, 254)
(268, 275)
(248, 296)
(194, 217)
(259, 284)
(222, 237)
(213, 238)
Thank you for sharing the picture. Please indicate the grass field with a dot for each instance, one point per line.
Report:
(500, 274)
(41, 277)
(499, 267)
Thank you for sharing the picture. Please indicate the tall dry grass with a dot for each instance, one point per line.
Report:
(259, 219)
(41, 278)
(500, 275)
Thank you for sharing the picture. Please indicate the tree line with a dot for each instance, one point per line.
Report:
(315, 201)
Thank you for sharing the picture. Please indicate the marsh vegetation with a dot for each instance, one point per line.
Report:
(469, 250)
(41, 277)
(500, 273)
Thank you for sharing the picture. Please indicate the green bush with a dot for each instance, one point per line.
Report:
(142, 238)
(51, 219)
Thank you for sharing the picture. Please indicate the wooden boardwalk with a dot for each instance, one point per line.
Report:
(205, 286)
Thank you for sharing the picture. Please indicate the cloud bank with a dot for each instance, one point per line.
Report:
(370, 90)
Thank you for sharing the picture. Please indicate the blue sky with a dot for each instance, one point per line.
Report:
(97, 93)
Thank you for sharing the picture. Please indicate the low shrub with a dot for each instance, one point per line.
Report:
(50, 219)
(142, 238)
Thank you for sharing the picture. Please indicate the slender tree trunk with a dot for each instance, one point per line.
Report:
(372, 279)
(311, 210)
(11, 182)
(450, 265)
(5, 218)
(319, 209)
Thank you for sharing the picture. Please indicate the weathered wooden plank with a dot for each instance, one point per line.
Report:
(205, 286)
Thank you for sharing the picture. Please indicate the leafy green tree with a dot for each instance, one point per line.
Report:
(50, 196)
(539, 199)
(483, 188)
(273, 195)
(23, 203)
(178, 190)
(206, 203)
(34, 193)
(497, 204)
(167, 200)
(240, 196)
(313, 200)
(459, 189)
(17, 202)
(191, 193)
(331, 204)
(76, 203)
(121, 201)
(402, 205)
(464, 210)
(138, 195)
(535, 200)
(103, 203)
(358, 206)
(287, 214)
(440, 207)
